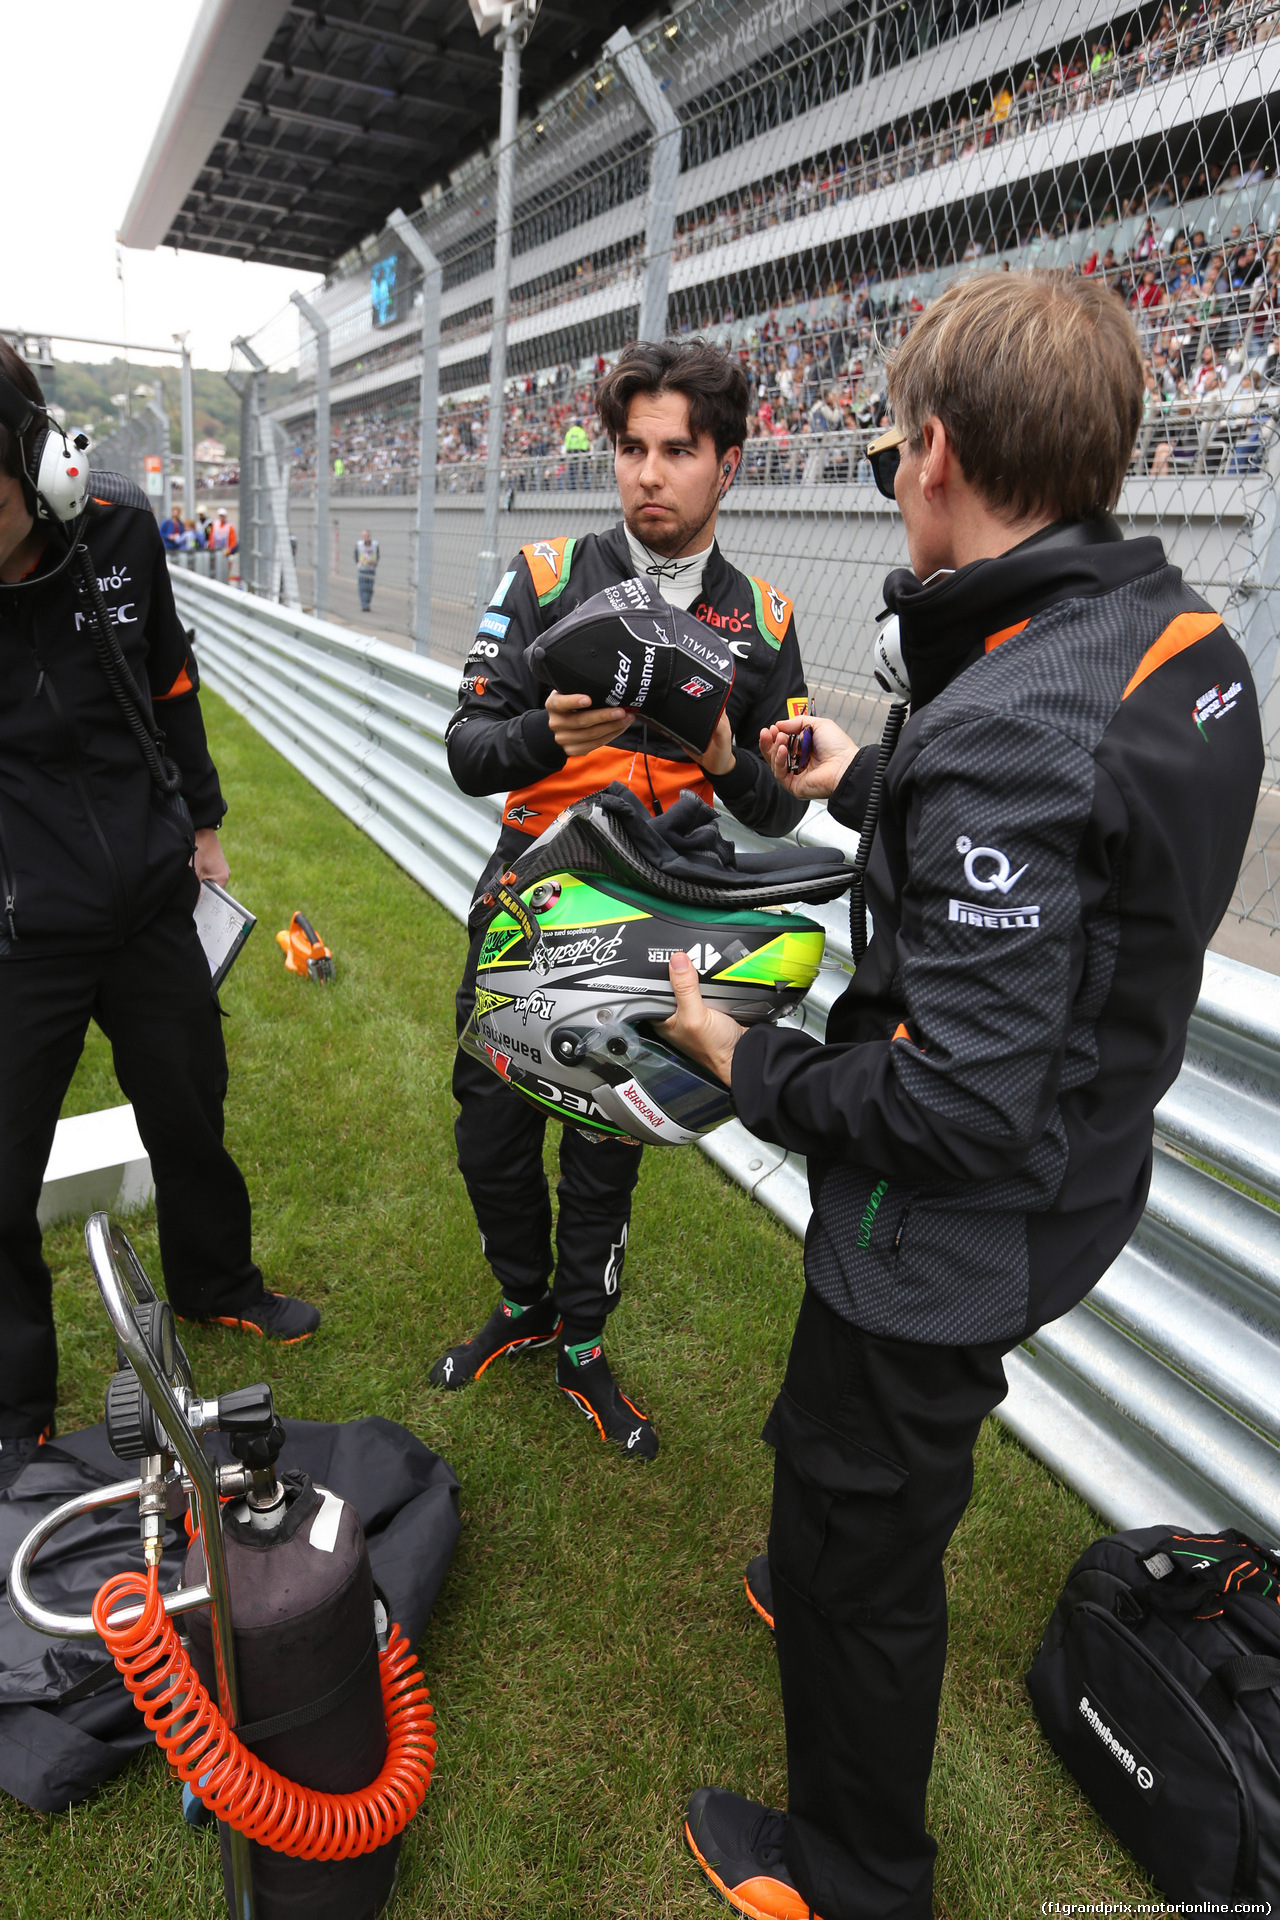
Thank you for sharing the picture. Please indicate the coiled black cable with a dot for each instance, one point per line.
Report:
(165, 775)
(870, 821)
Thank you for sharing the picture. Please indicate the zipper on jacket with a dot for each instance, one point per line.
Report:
(76, 763)
(7, 886)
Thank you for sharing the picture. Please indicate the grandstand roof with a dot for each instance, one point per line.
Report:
(293, 130)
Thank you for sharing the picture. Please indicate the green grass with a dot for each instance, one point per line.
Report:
(592, 1658)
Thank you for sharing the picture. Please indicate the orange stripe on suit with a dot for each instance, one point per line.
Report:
(531, 809)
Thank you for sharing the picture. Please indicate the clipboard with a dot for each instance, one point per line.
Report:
(223, 926)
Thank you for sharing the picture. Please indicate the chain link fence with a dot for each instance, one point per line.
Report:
(797, 180)
(139, 448)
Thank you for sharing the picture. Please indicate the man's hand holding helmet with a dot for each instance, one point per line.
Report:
(706, 1035)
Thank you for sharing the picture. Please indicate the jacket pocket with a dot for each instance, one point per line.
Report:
(836, 1509)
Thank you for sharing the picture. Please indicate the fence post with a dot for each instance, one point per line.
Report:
(246, 385)
(664, 176)
(1257, 598)
(428, 411)
(324, 449)
(511, 41)
(277, 550)
(188, 435)
(156, 406)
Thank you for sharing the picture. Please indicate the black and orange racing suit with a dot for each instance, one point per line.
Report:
(499, 740)
(96, 892)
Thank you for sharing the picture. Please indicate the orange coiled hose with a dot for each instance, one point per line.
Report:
(232, 1782)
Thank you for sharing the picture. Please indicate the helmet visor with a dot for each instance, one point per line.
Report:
(677, 1088)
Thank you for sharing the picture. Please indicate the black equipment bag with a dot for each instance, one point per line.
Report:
(1157, 1683)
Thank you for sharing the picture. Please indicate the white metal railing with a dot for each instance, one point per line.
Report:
(1155, 1398)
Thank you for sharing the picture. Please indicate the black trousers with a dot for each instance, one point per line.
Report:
(499, 1138)
(152, 999)
(873, 1468)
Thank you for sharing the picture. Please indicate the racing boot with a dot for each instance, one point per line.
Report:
(739, 1846)
(510, 1329)
(277, 1317)
(759, 1588)
(583, 1373)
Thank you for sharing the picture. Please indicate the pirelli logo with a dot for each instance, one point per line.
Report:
(1002, 919)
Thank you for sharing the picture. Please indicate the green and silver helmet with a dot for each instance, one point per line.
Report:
(571, 973)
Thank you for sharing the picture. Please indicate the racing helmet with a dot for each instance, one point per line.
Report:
(571, 974)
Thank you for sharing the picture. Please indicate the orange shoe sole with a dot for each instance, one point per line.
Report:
(754, 1604)
(587, 1408)
(243, 1326)
(528, 1344)
(796, 1907)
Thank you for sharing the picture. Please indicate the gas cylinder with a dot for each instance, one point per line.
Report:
(306, 1623)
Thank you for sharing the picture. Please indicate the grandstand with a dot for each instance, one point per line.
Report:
(840, 161)
(819, 259)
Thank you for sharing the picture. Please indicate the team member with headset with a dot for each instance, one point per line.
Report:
(107, 826)
(676, 414)
(1061, 826)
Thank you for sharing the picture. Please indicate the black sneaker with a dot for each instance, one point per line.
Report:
(277, 1317)
(759, 1588)
(738, 1845)
(510, 1329)
(18, 1450)
(583, 1373)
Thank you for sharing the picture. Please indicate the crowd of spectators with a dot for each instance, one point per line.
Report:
(1208, 321)
(1204, 296)
(1018, 101)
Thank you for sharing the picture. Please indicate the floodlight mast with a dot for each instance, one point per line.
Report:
(514, 22)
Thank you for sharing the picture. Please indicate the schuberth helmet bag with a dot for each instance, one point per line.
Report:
(1157, 1684)
(627, 647)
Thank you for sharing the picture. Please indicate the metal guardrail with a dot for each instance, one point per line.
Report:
(1156, 1398)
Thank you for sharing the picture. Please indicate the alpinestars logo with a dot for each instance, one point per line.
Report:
(613, 1265)
(634, 1438)
(448, 1368)
(543, 550)
(518, 815)
(777, 605)
(696, 687)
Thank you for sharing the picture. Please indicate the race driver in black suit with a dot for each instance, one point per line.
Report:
(676, 415)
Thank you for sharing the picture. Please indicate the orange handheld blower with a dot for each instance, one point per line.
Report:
(304, 950)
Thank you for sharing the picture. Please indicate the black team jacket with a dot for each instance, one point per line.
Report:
(500, 736)
(1063, 823)
(89, 849)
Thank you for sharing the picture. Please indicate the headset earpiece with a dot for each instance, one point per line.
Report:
(55, 468)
